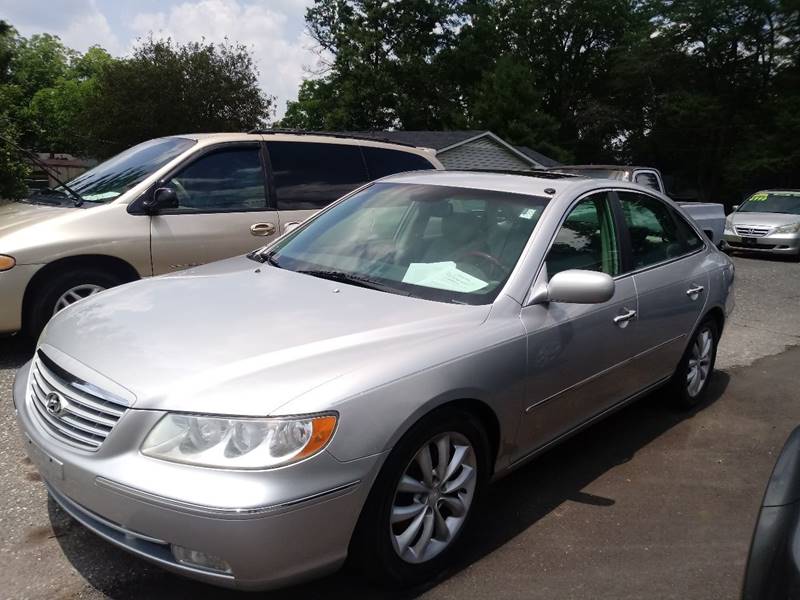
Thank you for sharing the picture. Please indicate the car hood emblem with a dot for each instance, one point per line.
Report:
(53, 404)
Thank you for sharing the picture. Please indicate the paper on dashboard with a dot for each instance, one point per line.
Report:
(442, 275)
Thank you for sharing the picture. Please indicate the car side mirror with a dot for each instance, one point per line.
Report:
(161, 199)
(576, 286)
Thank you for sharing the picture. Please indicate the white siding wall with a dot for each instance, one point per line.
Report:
(483, 153)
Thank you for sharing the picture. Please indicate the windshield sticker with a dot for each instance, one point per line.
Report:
(760, 197)
(100, 196)
(528, 213)
(442, 275)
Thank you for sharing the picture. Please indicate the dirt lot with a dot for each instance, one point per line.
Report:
(650, 503)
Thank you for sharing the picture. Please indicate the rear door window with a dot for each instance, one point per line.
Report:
(382, 162)
(652, 228)
(309, 176)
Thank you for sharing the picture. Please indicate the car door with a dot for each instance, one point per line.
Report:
(222, 209)
(668, 262)
(307, 176)
(578, 353)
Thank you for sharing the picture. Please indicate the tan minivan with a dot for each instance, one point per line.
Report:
(172, 203)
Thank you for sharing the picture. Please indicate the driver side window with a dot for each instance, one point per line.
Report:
(587, 239)
(230, 179)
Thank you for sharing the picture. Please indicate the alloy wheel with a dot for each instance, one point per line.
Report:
(78, 292)
(433, 497)
(699, 362)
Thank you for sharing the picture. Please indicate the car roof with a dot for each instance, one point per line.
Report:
(601, 167)
(311, 137)
(533, 183)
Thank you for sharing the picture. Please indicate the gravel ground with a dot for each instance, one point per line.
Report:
(649, 503)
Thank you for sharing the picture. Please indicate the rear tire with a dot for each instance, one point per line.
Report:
(689, 384)
(395, 553)
(59, 290)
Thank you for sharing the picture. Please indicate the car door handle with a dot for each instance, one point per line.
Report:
(622, 320)
(262, 229)
(694, 292)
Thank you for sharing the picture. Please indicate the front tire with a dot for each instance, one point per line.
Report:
(689, 384)
(62, 290)
(423, 500)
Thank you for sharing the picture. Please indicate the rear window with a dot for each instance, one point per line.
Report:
(382, 162)
(311, 176)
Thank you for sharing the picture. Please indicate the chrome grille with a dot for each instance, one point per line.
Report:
(752, 230)
(76, 416)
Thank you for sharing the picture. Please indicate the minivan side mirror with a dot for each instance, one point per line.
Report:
(161, 199)
(577, 286)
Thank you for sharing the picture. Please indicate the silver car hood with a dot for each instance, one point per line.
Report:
(235, 337)
(764, 218)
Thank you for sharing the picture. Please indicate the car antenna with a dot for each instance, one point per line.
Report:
(45, 167)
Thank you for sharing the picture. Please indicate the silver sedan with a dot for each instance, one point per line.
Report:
(350, 390)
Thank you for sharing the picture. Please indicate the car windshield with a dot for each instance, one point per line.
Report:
(117, 175)
(435, 242)
(773, 202)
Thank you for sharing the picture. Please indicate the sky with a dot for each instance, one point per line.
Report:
(274, 30)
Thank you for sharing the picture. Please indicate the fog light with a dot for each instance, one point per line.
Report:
(200, 560)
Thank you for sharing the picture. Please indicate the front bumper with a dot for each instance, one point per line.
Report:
(776, 243)
(12, 290)
(273, 528)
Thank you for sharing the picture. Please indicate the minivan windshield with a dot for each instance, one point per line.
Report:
(773, 202)
(441, 243)
(117, 175)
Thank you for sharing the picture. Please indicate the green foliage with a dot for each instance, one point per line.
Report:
(53, 99)
(707, 91)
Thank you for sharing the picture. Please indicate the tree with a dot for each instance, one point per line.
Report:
(166, 88)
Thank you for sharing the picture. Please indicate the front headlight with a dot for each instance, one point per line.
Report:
(238, 443)
(729, 223)
(791, 228)
(7, 262)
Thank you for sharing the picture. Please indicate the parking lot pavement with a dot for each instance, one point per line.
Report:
(649, 503)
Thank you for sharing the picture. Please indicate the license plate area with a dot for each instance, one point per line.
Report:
(51, 468)
(749, 241)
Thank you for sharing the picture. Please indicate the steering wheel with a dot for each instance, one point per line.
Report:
(491, 259)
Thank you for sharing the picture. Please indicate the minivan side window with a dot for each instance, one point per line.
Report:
(310, 176)
(653, 231)
(230, 179)
(382, 162)
(587, 239)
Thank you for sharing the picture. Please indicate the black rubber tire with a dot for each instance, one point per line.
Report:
(677, 391)
(47, 294)
(371, 550)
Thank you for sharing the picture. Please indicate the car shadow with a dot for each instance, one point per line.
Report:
(511, 506)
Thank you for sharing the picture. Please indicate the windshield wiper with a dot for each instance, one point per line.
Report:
(78, 200)
(259, 256)
(356, 280)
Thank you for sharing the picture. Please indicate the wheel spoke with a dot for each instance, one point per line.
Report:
(404, 539)
(425, 465)
(412, 486)
(404, 513)
(466, 474)
(443, 451)
(455, 505)
(458, 459)
(440, 530)
(425, 536)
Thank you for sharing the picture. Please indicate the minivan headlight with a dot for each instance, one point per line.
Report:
(238, 443)
(7, 262)
(791, 228)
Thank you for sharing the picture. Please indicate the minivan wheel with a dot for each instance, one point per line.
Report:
(691, 379)
(422, 500)
(62, 290)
